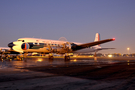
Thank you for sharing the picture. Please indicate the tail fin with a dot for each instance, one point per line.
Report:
(97, 38)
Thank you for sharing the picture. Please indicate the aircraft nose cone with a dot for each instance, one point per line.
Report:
(11, 45)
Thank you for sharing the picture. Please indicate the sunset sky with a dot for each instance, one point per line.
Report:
(76, 20)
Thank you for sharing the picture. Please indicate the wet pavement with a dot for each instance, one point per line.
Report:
(75, 74)
(32, 62)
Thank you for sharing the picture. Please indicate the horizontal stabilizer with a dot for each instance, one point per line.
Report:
(105, 48)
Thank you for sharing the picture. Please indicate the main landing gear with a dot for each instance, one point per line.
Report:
(67, 57)
(51, 56)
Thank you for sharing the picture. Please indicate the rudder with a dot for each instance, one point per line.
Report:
(97, 37)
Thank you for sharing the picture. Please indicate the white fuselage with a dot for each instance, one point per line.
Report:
(46, 46)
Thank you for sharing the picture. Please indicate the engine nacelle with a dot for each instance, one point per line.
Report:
(25, 46)
(55, 49)
(63, 48)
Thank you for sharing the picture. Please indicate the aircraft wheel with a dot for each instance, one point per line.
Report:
(50, 57)
(67, 57)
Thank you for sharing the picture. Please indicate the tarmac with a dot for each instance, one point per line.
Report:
(79, 73)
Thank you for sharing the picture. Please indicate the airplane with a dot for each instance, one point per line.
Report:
(4, 49)
(46, 46)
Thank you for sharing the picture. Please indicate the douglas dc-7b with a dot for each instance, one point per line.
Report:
(27, 45)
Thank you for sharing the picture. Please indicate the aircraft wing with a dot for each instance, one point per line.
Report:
(82, 46)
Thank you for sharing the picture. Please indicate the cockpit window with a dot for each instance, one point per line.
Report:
(21, 40)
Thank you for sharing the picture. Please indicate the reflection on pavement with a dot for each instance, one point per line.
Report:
(31, 62)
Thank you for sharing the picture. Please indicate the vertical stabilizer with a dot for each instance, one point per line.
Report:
(97, 37)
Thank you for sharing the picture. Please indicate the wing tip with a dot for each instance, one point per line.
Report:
(113, 39)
